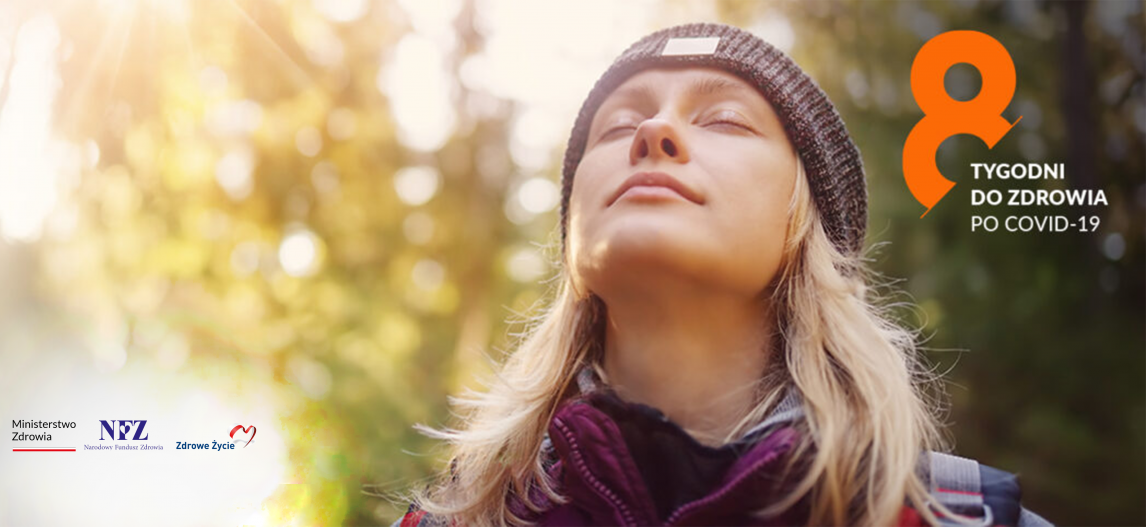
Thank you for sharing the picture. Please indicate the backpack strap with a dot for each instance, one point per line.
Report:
(1030, 519)
(955, 482)
(409, 519)
(416, 517)
(976, 491)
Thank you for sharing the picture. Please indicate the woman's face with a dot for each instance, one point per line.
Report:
(715, 139)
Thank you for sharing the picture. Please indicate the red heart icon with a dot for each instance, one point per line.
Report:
(246, 429)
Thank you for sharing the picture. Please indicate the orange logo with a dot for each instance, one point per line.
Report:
(944, 116)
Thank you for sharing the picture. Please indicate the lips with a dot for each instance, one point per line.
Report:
(656, 179)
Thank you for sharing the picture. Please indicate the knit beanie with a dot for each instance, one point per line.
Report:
(831, 160)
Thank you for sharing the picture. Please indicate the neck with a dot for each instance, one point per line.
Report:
(697, 359)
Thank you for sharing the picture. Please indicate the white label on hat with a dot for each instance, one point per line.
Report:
(691, 46)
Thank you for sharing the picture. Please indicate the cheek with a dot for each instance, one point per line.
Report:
(589, 187)
(765, 222)
(758, 184)
(582, 198)
(756, 225)
(582, 229)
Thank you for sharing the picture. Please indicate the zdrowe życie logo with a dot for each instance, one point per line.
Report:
(242, 432)
(944, 116)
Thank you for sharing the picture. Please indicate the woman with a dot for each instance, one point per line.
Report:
(713, 354)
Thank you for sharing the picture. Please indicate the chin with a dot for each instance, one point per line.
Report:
(646, 239)
(632, 256)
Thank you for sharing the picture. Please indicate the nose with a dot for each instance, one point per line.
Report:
(657, 139)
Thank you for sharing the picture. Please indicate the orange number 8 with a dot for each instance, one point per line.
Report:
(944, 117)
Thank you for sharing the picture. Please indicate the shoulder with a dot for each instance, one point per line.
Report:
(980, 491)
(416, 517)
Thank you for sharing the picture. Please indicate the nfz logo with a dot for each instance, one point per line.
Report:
(124, 428)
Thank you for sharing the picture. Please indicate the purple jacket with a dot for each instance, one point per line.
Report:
(624, 463)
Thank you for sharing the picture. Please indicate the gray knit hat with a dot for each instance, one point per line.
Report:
(831, 160)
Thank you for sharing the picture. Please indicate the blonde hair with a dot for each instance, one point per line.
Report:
(865, 393)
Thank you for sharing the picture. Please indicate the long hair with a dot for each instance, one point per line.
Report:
(870, 411)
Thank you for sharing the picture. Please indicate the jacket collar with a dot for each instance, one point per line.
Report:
(789, 409)
(626, 463)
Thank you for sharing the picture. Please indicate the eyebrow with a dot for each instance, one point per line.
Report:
(714, 85)
(704, 87)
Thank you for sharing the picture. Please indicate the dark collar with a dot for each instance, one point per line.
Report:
(789, 409)
(629, 463)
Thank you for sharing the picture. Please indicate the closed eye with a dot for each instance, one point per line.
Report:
(610, 131)
(731, 118)
(732, 123)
